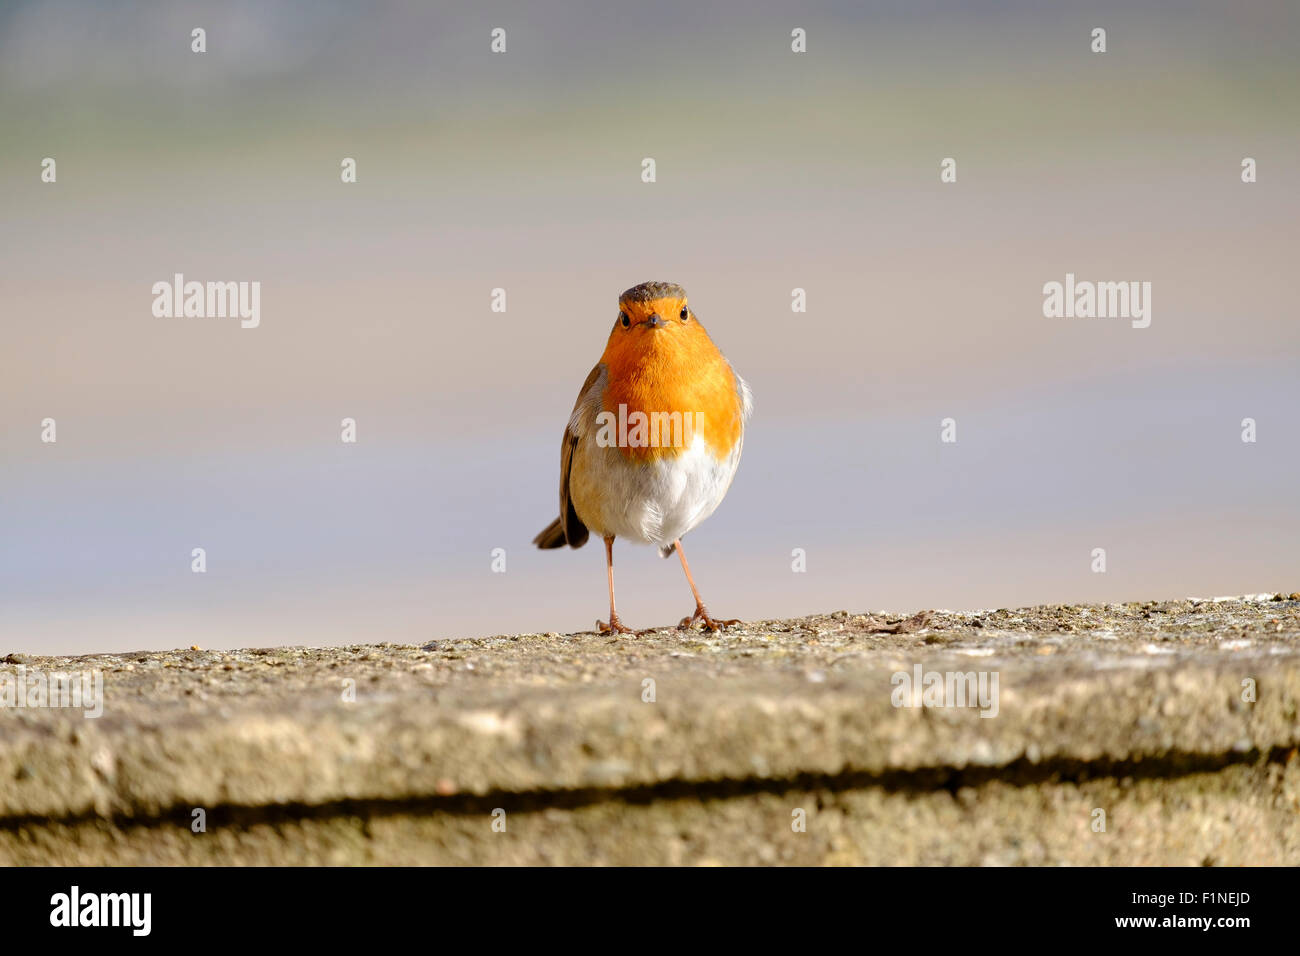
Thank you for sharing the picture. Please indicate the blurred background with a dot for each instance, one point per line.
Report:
(522, 170)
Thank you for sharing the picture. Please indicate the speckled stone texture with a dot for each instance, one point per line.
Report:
(686, 747)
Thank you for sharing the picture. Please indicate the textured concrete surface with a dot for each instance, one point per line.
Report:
(407, 754)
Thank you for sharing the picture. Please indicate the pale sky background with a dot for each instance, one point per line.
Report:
(522, 170)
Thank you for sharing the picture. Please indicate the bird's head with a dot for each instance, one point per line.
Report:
(654, 315)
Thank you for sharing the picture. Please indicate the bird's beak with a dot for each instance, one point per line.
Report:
(655, 322)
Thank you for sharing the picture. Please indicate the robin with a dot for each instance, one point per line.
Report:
(654, 439)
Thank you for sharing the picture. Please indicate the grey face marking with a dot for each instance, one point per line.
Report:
(649, 291)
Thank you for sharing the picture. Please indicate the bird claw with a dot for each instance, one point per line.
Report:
(702, 615)
(615, 626)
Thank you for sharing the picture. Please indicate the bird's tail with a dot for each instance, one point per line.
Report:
(552, 536)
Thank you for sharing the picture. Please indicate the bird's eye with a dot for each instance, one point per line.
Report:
(686, 313)
(624, 320)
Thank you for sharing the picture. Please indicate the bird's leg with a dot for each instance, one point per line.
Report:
(614, 625)
(701, 612)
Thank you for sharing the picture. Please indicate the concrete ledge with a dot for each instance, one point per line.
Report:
(1137, 710)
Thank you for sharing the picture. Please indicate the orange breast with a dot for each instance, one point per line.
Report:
(681, 386)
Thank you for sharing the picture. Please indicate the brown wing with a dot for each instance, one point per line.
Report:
(568, 528)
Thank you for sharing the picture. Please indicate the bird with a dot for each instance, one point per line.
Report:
(654, 439)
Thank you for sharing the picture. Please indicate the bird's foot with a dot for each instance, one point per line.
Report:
(615, 626)
(702, 615)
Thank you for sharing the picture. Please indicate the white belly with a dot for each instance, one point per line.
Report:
(654, 503)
